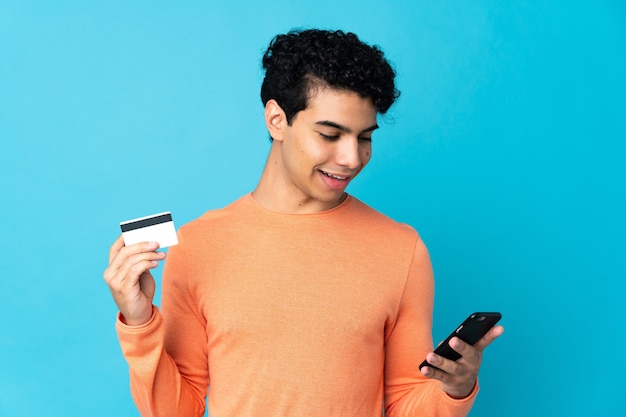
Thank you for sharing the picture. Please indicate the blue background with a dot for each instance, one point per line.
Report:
(506, 152)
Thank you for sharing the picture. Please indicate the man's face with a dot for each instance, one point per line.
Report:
(326, 146)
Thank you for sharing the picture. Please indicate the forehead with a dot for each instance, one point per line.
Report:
(341, 106)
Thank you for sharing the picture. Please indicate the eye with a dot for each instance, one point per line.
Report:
(365, 138)
(329, 137)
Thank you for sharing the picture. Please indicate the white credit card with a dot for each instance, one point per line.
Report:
(155, 228)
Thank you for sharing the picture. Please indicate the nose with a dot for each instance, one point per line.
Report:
(348, 153)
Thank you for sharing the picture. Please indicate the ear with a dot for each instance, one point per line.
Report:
(275, 120)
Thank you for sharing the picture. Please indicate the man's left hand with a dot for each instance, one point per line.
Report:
(459, 377)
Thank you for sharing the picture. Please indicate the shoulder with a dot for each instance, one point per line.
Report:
(382, 234)
(374, 221)
(213, 222)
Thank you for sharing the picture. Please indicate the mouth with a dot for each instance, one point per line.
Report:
(335, 176)
(335, 182)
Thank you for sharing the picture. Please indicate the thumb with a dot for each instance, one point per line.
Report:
(147, 285)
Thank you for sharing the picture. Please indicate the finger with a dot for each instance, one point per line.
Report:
(467, 351)
(126, 252)
(445, 366)
(138, 264)
(470, 356)
(437, 373)
(124, 256)
(127, 284)
(430, 370)
(487, 339)
(115, 248)
(432, 373)
(132, 267)
(451, 384)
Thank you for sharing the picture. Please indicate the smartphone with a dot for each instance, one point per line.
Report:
(470, 331)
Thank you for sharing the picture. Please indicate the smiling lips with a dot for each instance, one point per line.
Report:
(337, 177)
(337, 182)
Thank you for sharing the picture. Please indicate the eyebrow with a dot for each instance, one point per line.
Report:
(343, 128)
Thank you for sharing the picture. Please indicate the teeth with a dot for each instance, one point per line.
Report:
(337, 177)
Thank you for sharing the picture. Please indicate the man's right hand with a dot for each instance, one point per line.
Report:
(130, 281)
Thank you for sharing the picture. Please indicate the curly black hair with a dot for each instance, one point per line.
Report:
(297, 61)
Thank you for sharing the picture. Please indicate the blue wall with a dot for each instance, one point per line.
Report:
(506, 152)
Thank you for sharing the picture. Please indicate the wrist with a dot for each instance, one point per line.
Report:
(136, 321)
(460, 396)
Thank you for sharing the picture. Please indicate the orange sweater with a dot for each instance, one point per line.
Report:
(324, 314)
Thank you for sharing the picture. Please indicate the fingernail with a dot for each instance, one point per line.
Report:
(454, 343)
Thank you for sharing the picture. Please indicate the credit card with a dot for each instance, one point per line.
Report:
(154, 228)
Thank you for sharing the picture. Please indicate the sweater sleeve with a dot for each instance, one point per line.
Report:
(166, 378)
(407, 391)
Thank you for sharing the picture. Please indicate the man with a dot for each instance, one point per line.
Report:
(297, 299)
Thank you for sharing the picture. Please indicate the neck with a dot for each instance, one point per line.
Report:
(275, 193)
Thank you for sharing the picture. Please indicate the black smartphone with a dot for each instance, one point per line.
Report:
(470, 331)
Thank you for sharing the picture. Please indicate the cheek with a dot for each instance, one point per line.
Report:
(315, 153)
(366, 155)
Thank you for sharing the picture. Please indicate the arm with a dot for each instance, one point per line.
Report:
(159, 384)
(407, 391)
